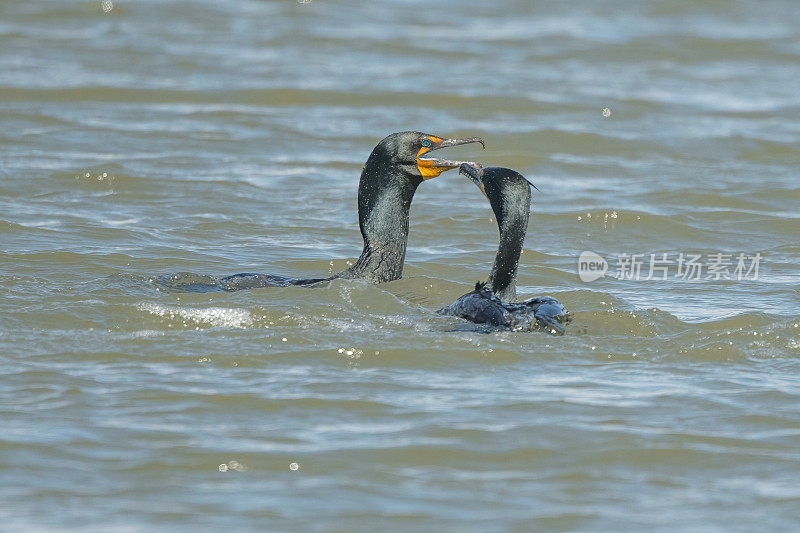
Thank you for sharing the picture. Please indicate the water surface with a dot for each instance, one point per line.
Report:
(147, 138)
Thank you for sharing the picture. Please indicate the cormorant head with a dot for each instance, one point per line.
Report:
(508, 191)
(412, 152)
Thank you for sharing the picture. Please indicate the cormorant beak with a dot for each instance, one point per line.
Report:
(430, 167)
(474, 172)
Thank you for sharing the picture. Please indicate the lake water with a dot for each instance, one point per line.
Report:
(143, 138)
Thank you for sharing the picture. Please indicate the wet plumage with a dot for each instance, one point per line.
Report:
(491, 303)
(398, 164)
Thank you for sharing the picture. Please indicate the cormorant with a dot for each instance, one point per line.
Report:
(391, 175)
(509, 194)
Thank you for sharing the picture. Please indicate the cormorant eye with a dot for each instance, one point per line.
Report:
(426, 143)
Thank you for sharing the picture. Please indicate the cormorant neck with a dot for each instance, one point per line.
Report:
(502, 279)
(384, 198)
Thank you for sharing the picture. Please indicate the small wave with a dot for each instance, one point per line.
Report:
(186, 282)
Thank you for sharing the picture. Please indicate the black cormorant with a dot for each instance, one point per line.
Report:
(391, 175)
(491, 303)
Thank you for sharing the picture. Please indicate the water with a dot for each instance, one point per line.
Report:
(146, 138)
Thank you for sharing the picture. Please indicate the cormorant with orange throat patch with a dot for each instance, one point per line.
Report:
(391, 175)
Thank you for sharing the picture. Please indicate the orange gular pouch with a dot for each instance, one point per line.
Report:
(427, 167)
(430, 167)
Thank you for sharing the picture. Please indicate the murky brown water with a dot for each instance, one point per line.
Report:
(146, 138)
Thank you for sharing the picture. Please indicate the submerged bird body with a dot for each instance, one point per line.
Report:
(482, 306)
(395, 168)
(491, 303)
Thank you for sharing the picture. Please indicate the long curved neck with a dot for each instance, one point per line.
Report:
(384, 199)
(502, 279)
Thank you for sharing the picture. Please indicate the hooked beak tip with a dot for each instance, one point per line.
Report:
(478, 140)
(473, 171)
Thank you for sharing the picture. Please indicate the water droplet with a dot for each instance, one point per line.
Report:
(236, 465)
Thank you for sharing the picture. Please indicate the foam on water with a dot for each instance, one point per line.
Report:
(206, 317)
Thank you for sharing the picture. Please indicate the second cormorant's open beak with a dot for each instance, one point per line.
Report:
(430, 167)
(475, 173)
